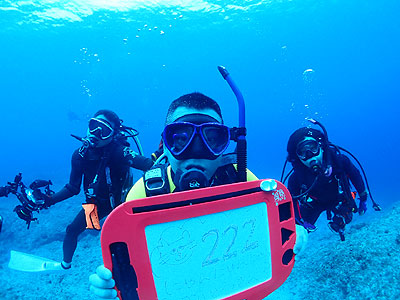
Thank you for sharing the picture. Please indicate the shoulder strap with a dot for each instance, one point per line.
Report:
(156, 181)
(91, 191)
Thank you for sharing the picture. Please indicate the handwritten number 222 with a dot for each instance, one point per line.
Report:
(211, 258)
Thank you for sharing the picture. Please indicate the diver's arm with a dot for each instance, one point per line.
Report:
(355, 176)
(61, 195)
(356, 179)
(72, 188)
(135, 160)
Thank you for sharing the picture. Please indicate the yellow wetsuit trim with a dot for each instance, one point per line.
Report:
(138, 190)
(249, 174)
(171, 183)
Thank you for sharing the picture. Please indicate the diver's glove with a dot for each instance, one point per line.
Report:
(102, 285)
(48, 201)
(301, 239)
(66, 192)
(309, 227)
(362, 208)
(4, 191)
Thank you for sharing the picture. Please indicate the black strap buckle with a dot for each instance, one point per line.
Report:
(237, 132)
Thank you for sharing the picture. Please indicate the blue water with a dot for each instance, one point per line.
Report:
(60, 61)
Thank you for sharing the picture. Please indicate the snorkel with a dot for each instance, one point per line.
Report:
(315, 122)
(86, 144)
(85, 141)
(238, 134)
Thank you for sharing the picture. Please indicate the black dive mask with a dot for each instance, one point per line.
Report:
(100, 128)
(307, 149)
(196, 136)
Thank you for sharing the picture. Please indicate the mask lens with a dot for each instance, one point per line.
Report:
(177, 136)
(216, 137)
(100, 128)
(307, 149)
(180, 135)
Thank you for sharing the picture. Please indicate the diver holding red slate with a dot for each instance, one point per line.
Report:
(151, 243)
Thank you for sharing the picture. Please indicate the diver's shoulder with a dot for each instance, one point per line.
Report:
(251, 176)
(343, 160)
(76, 154)
(295, 176)
(137, 191)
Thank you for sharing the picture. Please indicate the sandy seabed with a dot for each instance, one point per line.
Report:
(365, 266)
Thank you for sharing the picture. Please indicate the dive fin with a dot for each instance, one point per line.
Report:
(31, 263)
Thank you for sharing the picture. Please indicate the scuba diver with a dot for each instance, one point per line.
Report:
(194, 141)
(320, 181)
(103, 162)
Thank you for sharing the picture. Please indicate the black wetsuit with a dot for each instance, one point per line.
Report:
(118, 158)
(326, 193)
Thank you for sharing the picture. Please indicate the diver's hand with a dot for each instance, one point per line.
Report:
(48, 201)
(4, 191)
(309, 227)
(102, 285)
(362, 208)
(301, 239)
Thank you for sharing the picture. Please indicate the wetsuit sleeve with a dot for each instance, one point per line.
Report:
(72, 188)
(135, 160)
(294, 189)
(355, 176)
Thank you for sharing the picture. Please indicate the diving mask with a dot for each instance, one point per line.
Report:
(307, 149)
(99, 128)
(188, 140)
